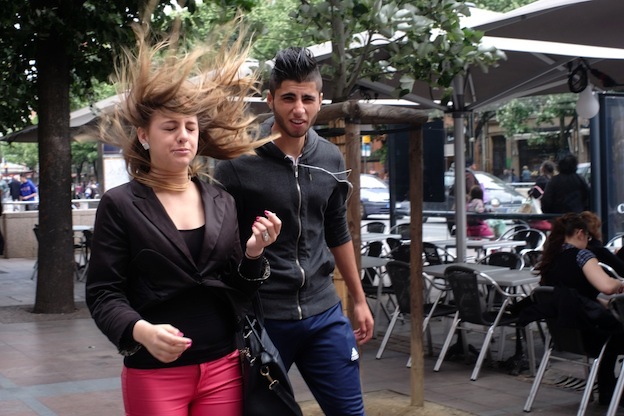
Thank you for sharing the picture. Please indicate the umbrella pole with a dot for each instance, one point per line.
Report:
(460, 163)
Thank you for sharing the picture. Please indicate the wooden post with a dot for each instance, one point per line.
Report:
(416, 287)
(353, 158)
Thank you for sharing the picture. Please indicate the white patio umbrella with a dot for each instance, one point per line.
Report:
(532, 67)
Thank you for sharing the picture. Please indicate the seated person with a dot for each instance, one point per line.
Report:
(595, 245)
(567, 263)
(476, 226)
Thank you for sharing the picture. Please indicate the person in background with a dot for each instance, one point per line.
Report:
(470, 182)
(28, 192)
(567, 262)
(547, 170)
(168, 281)
(567, 191)
(595, 245)
(513, 176)
(92, 190)
(477, 227)
(14, 190)
(302, 177)
(525, 175)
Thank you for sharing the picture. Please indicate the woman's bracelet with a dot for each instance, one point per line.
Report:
(252, 258)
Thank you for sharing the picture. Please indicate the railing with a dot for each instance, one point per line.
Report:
(16, 206)
(493, 215)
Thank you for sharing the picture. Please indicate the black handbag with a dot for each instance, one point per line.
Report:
(267, 389)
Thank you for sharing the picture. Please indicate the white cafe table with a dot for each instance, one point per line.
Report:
(514, 278)
(504, 276)
(437, 270)
(481, 245)
(370, 237)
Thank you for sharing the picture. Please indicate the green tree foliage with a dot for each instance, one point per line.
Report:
(501, 5)
(274, 29)
(530, 115)
(409, 40)
(22, 153)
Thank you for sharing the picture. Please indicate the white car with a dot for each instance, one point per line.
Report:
(375, 198)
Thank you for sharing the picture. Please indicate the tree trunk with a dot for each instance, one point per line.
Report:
(55, 285)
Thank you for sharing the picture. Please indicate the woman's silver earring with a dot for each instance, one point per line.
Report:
(145, 145)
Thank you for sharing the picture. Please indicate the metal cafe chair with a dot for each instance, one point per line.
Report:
(402, 229)
(434, 254)
(473, 314)
(532, 257)
(564, 343)
(375, 227)
(434, 305)
(371, 291)
(503, 258)
(616, 305)
(533, 238)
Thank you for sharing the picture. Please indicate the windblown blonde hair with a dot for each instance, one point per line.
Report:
(206, 82)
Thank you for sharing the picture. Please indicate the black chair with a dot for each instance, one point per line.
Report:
(610, 271)
(616, 305)
(402, 229)
(509, 231)
(374, 249)
(504, 259)
(393, 243)
(399, 274)
(616, 241)
(566, 340)
(532, 257)
(436, 255)
(401, 253)
(375, 227)
(472, 311)
(534, 239)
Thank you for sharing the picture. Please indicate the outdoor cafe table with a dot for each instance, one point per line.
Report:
(370, 237)
(504, 276)
(481, 245)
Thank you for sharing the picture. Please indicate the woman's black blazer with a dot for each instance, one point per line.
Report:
(139, 258)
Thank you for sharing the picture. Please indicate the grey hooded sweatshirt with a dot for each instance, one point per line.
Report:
(309, 196)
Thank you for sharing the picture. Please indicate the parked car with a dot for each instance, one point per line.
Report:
(584, 169)
(375, 198)
(497, 195)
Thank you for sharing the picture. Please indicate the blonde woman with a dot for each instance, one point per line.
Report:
(168, 277)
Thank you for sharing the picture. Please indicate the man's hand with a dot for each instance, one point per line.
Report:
(364, 322)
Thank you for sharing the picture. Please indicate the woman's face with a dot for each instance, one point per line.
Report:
(172, 140)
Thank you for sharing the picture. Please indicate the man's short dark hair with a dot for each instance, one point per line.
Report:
(294, 64)
(568, 164)
(548, 167)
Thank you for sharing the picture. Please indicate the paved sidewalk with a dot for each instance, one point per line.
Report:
(62, 365)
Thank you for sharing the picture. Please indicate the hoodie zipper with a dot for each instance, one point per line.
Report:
(303, 276)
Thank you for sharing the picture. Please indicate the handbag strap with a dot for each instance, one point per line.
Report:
(287, 398)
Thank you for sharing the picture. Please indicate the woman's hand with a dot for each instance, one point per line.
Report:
(165, 342)
(264, 232)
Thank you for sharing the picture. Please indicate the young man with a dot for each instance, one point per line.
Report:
(302, 178)
(28, 192)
